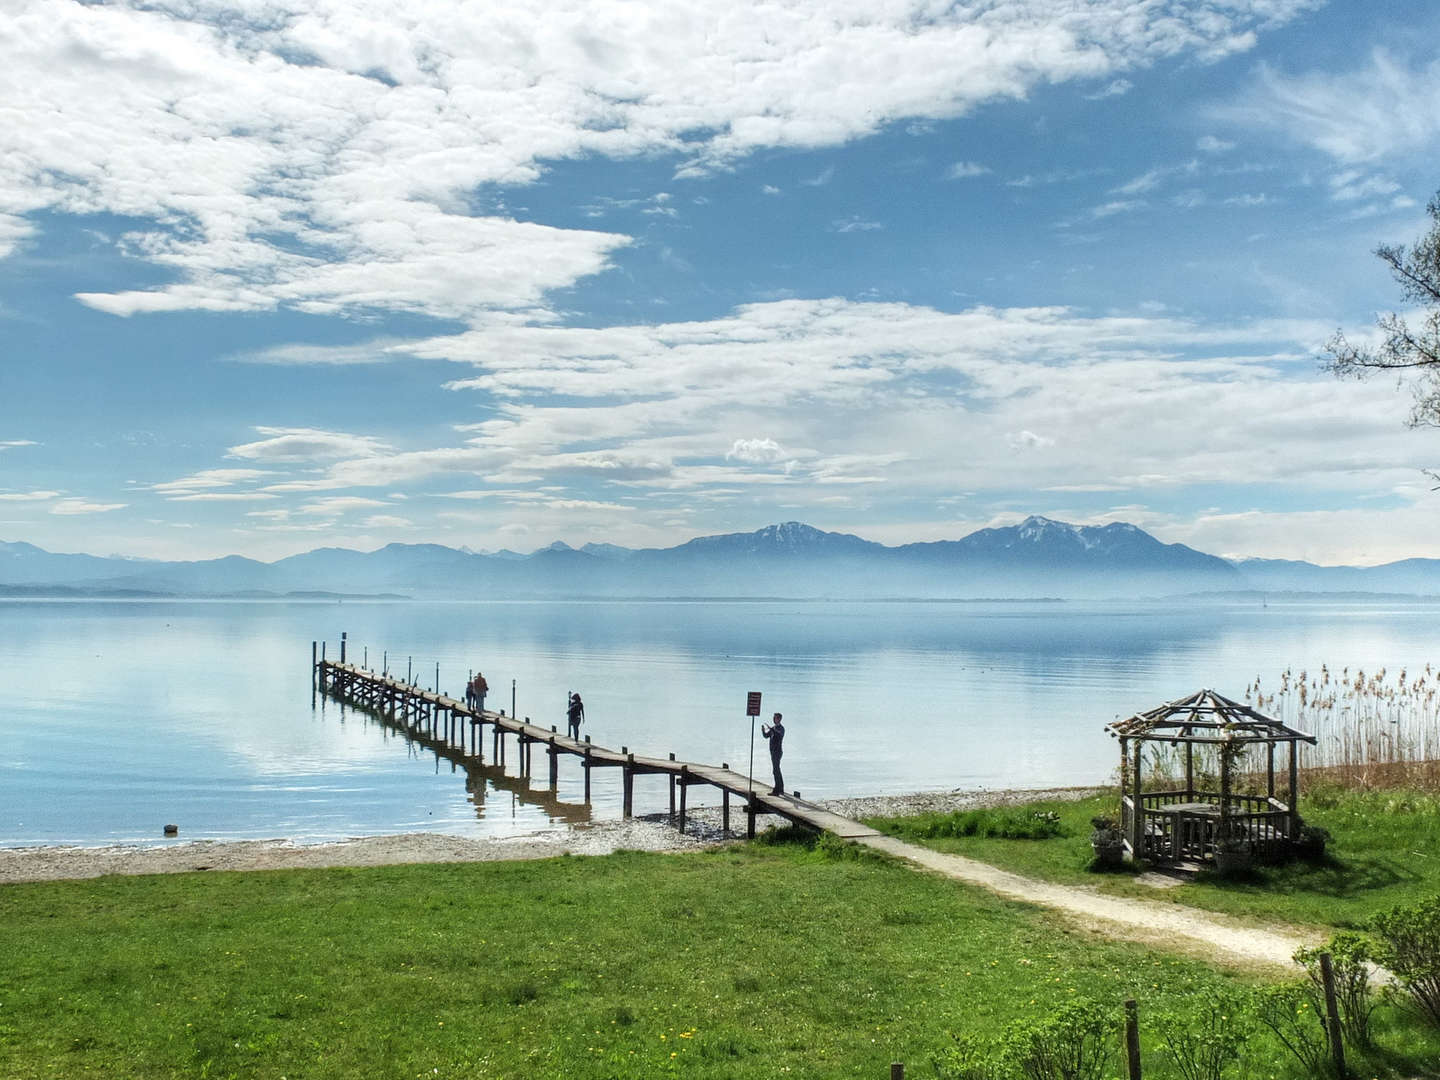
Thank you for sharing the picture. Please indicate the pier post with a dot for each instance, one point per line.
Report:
(342, 646)
(684, 787)
(554, 765)
(628, 799)
(725, 805)
(587, 776)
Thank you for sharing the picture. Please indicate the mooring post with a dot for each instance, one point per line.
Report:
(750, 818)
(587, 773)
(385, 663)
(554, 765)
(627, 800)
(684, 787)
(1132, 1039)
(725, 805)
(512, 697)
(672, 791)
(365, 658)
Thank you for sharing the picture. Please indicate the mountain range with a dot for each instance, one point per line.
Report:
(1039, 558)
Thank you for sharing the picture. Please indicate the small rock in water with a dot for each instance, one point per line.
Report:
(172, 830)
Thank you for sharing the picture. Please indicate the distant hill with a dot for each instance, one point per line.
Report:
(1037, 558)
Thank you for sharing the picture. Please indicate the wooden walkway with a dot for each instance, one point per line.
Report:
(458, 733)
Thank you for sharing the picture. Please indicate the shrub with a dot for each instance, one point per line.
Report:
(1289, 1012)
(1203, 1050)
(1072, 1044)
(1004, 822)
(1350, 957)
(971, 1058)
(1409, 945)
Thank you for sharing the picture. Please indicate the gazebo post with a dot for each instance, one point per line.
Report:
(1189, 772)
(1294, 789)
(1226, 753)
(1137, 818)
(1270, 769)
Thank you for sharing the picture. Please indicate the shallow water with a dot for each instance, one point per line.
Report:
(123, 716)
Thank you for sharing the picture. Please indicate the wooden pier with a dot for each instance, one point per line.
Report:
(458, 733)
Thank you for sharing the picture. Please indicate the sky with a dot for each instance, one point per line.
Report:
(279, 275)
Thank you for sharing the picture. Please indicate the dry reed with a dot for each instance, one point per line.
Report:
(1374, 730)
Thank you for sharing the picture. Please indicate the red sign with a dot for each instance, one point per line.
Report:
(752, 703)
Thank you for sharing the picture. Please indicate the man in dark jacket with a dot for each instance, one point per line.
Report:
(575, 716)
(775, 732)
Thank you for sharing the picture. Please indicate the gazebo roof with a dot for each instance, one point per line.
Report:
(1206, 717)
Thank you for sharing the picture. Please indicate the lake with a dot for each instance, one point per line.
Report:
(120, 717)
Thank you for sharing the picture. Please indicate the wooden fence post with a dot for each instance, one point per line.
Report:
(897, 1070)
(1332, 1016)
(1132, 1039)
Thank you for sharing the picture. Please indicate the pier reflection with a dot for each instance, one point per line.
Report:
(482, 779)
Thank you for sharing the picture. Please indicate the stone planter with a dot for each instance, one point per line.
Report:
(1108, 855)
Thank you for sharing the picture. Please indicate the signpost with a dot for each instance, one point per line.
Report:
(752, 710)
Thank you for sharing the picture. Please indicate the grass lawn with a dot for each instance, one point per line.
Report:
(1385, 851)
(757, 960)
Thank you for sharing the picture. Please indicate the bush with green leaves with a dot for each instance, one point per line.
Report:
(1073, 1043)
(1408, 943)
(971, 1058)
(1350, 960)
(1205, 1041)
(1000, 822)
(1288, 1010)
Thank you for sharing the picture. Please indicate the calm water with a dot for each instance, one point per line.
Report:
(120, 716)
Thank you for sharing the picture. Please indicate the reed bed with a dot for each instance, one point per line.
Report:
(1375, 729)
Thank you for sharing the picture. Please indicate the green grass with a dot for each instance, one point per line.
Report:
(1385, 851)
(805, 958)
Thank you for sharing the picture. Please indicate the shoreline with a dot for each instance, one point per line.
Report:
(652, 832)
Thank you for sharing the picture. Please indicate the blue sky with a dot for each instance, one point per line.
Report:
(278, 276)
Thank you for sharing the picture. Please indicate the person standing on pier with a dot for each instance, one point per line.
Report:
(574, 716)
(475, 692)
(775, 733)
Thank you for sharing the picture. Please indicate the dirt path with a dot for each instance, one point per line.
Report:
(1152, 923)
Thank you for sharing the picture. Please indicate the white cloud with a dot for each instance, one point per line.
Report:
(1378, 111)
(387, 521)
(338, 504)
(1209, 144)
(29, 496)
(207, 480)
(1027, 440)
(1353, 184)
(756, 451)
(330, 151)
(83, 506)
(965, 170)
(379, 351)
(222, 496)
(304, 444)
(10, 444)
(855, 224)
(1117, 88)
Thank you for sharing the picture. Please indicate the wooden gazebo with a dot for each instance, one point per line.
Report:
(1192, 823)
